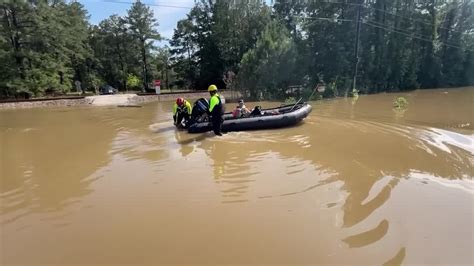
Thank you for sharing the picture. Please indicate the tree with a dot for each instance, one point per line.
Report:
(456, 24)
(183, 52)
(236, 27)
(133, 81)
(330, 43)
(266, 69)
(430, 66)
(43, 45)
(163, 65)
(76, 40)
(142, 27)
(114, 50)
(213, 38)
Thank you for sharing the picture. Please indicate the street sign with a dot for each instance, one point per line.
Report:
(157, 84)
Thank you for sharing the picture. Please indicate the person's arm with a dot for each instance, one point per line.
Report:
(190, 109)
(175, 109)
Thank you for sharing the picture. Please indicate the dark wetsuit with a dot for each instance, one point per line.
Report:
(216, 108)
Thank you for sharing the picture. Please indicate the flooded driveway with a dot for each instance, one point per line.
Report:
(356, 183)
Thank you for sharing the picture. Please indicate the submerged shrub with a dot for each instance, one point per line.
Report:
(400, 103)
(290, 100)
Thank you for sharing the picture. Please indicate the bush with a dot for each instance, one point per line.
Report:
(290, 100)
(400, 103)
(354, 93)
(331, 90)
(133, 82)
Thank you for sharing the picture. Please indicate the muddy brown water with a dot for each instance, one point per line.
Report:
(355, 183)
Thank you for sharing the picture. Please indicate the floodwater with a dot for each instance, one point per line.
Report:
(356, 183)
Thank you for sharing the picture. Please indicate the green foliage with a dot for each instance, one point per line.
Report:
(211, 41)
(183, 55)
(354, 93)
(142, 24)
(404, 45)
(330, 91)
(46, 46)
(133, 82)
(290, 100)
(220, 37)
(267, 68)
(309, 94)
(400, 103)
(93, 82)
(116, 52)
(42, 46)
(164, 69)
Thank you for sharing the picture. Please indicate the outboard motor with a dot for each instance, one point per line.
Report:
(199, 113)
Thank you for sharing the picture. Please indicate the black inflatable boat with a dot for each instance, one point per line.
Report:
(282, 116)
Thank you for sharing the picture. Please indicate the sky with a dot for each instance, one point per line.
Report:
(167, 16)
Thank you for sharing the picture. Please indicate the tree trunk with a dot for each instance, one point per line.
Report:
(166, 72)
(122, 67)
(15, 39)
(145, 67)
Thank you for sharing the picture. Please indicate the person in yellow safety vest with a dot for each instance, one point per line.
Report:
(181, 110)
(216, 110)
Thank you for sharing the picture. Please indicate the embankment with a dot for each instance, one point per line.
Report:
(109, 100)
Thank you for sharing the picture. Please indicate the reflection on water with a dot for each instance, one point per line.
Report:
(230, 167)
(39, 175)
(111, 185)
(368, 237)
(398, 259)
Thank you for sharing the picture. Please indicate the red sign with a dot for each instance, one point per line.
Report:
(157, 83)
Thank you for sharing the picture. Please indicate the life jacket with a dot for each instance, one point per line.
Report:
(240, 111)
(218, 109)
(184, 108)
(237, 112)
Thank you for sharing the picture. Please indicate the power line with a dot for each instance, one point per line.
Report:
(412, 19)
(383, 10)
(342, 3)
(326, 19)
(413, 36)
(397, 29)
(404, 31)
(400, 31)
(390, 13)
(188, 7)
(158, 5)
(327, 2)
(173, 6)
(378, 25)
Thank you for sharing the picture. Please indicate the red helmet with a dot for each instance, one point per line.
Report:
(180, 101)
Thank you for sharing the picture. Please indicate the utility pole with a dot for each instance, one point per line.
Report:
(356, 50)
